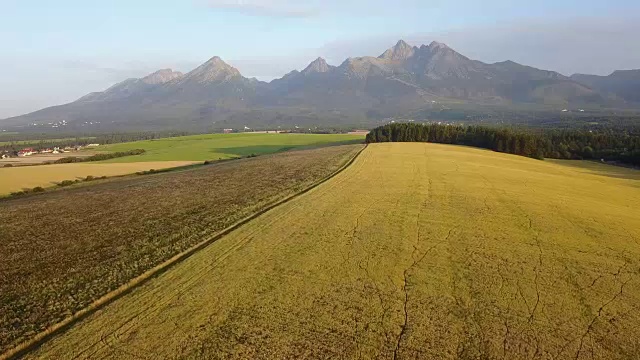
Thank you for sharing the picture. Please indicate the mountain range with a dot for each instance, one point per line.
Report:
(621, 84)
(402, 80)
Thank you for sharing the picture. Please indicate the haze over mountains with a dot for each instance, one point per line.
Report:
(402, 80)
(624, 84)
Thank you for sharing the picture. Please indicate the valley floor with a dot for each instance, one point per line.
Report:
(415, 251)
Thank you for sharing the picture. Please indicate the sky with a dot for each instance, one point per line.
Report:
(53, 52)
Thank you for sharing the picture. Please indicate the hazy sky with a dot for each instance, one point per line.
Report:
(53, 52)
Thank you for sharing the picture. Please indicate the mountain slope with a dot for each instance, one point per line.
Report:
(624, 84)
(162, 99)
(403, 79)
(134, 87)
(406, 77)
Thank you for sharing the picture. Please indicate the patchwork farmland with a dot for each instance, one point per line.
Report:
(64, 249)
(225, 146)
(160, 154)
(416, 250)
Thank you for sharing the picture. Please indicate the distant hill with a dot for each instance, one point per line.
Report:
(623, 84)
(402, 80)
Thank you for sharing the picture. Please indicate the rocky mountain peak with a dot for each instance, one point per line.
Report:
(319, 65)
(402, 80)
(401, 51)
(442, 51)
(438, 46)
(162, 76)
(625, 73)
(216, 61)
(214, 70)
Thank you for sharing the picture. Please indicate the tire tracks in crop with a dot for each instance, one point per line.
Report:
(585, 323)
(583, 294)
(534, 307)
(405, 289)
(417, 258)
(598, 315)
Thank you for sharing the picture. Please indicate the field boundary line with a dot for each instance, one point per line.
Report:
(56, 329)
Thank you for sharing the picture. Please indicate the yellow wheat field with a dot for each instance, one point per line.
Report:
(416, 251)
(21, 177)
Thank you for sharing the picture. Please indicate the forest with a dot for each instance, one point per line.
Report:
(606, 145)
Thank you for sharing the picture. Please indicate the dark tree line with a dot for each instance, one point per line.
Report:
(539, 144)
(99, 157)
(43, 141)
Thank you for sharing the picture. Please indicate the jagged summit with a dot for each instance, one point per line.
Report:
(214, 70)
(319, 65)
(507, 62)
(216, 61)
(162, 76)
(625, 73)
(401, 51)
(402, 80)
(438, 45)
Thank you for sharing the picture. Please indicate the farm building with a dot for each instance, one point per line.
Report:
(26, 152)
(227, 131)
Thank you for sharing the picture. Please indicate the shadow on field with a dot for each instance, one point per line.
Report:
(269, 149)
(596, 168)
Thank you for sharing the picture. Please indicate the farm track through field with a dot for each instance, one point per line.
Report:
(415, 251)
(156, 271)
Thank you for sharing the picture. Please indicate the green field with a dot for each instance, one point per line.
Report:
(43, 141)
(415, 251)
(223, 146)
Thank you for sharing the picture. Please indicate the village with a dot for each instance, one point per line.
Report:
(33, 155)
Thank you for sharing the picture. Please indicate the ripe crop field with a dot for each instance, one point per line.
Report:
(61, 250)
(20, 177)
(224, 146)
(415, 251)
